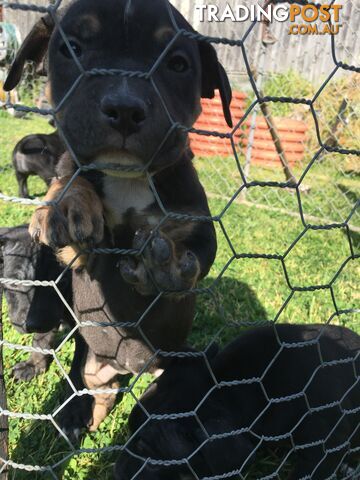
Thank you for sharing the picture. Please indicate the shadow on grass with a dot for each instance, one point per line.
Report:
(223, 314)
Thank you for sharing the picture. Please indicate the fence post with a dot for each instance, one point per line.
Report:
(290, 177)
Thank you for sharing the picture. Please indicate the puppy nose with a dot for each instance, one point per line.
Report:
(124, 113)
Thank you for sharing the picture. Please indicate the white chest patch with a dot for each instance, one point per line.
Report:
(122, 194)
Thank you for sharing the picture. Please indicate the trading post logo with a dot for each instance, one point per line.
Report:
(309, 19)
(303, 18)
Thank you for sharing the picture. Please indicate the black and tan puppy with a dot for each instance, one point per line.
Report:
(36, 154)
(295, 386)
(39, 309)
(133, 127)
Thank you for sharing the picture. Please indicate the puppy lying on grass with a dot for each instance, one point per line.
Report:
(40, 310)
(288, 385)
(33, 309)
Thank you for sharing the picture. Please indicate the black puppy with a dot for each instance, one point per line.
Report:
(36, 155)
(296, 386)
(32, 309)
(39, 309)
(131, 124)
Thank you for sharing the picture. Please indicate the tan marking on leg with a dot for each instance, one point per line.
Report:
(103, 404)
(100, 377)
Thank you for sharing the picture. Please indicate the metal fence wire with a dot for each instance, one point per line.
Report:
(284, 263)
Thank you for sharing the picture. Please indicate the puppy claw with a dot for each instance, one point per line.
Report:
(128, 270)
(189, 265)
(77, 433)
(73, 435)
(140, 239)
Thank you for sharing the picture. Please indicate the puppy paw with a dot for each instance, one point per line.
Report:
(76, 417)
(26, 371)
(163, 266)
(103, 404)
(77, 218)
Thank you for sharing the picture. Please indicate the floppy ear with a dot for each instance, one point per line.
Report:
(214, 77)
(33, 48)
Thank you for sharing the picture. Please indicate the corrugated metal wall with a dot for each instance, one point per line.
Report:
(308, 55)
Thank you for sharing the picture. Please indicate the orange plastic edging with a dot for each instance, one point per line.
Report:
(292, 133)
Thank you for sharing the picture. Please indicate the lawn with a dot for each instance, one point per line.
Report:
(242, 288)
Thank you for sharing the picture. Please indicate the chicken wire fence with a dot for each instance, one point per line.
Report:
(289, 66)
(294, 66)
(321, 186)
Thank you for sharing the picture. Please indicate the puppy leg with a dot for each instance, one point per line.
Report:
(38, 362)
(103, 404)
(77, 414)
(76, 219)
(98, 376)
(22, 182)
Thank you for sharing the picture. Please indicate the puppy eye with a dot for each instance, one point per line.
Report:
(75, 47)
(178, 63)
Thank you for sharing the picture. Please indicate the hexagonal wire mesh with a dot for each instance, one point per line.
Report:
(289, 239)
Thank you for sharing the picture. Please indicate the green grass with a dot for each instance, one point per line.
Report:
(250, 290)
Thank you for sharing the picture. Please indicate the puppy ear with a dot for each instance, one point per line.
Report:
(33, 49)
(214, 77)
